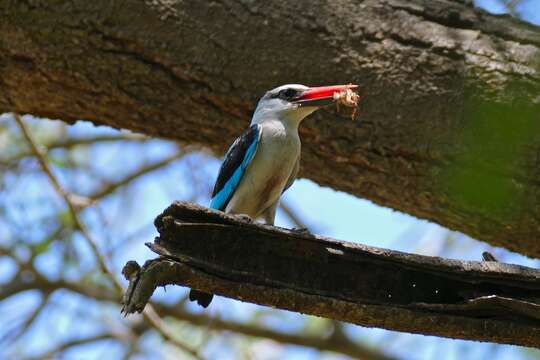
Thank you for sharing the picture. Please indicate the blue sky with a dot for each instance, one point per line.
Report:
(528, 10)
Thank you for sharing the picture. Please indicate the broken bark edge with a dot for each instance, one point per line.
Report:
(491, 318)
(163, 271)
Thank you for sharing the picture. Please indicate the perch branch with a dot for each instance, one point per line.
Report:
(210, 251)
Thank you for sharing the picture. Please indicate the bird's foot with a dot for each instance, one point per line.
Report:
(243, 218)
(304, 231)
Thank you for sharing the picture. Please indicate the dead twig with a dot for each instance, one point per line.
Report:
(148, 314)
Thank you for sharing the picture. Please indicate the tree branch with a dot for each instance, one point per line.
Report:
(143, 170)
(443, 85)
(54, 352)
(206, 249)
(21, 329)
(344, 346)
(293, 216)
(68, 199)
(149, 313)
(71, 142)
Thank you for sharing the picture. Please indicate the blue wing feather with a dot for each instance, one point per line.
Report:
(234, 166)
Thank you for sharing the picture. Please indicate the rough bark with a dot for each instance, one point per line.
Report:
(450, 94)
(210, 251)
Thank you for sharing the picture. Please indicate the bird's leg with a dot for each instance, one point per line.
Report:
(270, 214)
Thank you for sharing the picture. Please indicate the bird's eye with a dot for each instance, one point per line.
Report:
(287, 93)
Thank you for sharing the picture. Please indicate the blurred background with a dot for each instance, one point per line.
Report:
(55, 303)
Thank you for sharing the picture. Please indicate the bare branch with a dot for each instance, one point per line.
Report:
(293, 216)
(176, 311)
(135, 175)
(342, 345)
(51, 354)
(154, 319)
(148, 314)
(205, 249)
(67, 198)
(71, 142)
(27, 323)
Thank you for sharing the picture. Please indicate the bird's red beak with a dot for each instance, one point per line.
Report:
(321, 95)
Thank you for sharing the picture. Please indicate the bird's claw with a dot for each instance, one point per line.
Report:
(243, 218)
(301, 230)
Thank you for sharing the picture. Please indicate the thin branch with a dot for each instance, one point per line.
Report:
(154, 319)
(321, 344)
(51, 354)
(60, 190)
(135, 175)
(511, 6)
(71, 142)
(22, 328)
(133, 348)
(342, 345)
(293, 216)
(177, 312)
(86, 234)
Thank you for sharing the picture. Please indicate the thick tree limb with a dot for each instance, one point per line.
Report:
(210, 251)
(449, 93)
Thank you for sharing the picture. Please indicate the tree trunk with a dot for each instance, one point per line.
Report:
(213, 252)
(449, 117)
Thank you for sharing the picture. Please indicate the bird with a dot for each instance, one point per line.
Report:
(263, 162)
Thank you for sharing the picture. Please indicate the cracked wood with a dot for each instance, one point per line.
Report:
(210, 251)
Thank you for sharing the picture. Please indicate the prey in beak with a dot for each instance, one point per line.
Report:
(327, 95)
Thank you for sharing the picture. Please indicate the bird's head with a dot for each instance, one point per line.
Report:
(291, 103)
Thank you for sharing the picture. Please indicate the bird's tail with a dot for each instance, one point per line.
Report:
(202, 298)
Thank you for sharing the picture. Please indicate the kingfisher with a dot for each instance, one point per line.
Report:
(263, 162)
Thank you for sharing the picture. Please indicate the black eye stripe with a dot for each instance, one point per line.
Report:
(287, 94)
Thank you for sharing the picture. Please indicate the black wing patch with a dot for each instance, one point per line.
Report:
(233, 167)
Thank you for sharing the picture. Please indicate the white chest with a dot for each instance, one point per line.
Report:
(268, 172)
(279, 146)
